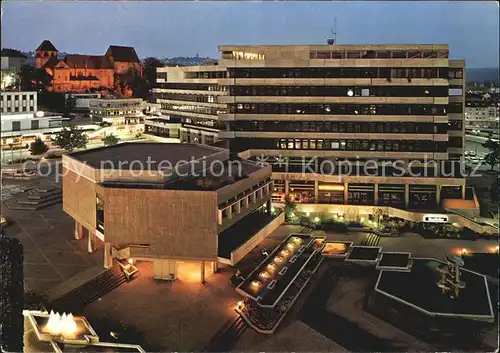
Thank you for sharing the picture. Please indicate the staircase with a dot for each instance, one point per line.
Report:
(227, 336)
(75, 300)
(35, 199)
(370, 239)
(305, 230)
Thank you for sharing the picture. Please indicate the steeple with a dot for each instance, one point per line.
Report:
(44, 52)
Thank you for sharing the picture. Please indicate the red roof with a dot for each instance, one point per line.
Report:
(78, 61)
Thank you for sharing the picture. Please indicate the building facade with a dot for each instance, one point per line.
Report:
(123, 208)
(392, 113)
(117, 110)
(21, 121)
(79, 73)
(18, 102)
(482, 116)
(12, 61)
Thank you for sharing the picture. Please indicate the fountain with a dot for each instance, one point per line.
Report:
(61, 324)
(450, 275)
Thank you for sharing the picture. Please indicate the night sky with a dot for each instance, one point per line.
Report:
(167, 29)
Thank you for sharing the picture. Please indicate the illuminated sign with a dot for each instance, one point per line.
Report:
(435, 218)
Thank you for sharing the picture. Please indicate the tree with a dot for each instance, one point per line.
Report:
(378, 213)
(110, 140)
(492, 158)
(71, 138)
(139, 87)
(150, 65)
(70, 104)
(12, 298)
(38, 147)
(290, 208)
(34, 79)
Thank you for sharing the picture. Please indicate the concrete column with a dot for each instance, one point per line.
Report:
(407, 195)
(203, 272)
(91, 242)
(238, 207)
(346, 193)
(375, 194)
(438, 195)
(287, 187)
(463, 192)
(108, 258)
(78, 231)
(215, 266)
(230, 212)
(316, 191)
(219, 217)
(247, 201)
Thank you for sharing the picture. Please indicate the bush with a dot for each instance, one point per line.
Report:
(332, 224)
(53, 155)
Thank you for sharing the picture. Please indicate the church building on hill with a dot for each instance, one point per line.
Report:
(78, 73)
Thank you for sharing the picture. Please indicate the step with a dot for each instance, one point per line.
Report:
(45, 190)
(74, 282)
(48, 203)
(12, 204)
(45, 197)
(29, 201)
(36, 193)
(90, 291)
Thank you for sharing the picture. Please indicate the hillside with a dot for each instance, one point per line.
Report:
(482, 75)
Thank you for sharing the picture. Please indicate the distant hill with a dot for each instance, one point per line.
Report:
(482, 75)
(186, 60)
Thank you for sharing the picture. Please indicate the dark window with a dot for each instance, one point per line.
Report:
(455, 142)
(35, 125)
(399, 54)
(16, 126)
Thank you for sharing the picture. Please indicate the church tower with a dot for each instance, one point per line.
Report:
(44, 52)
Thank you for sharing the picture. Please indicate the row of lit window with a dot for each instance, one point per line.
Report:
(193, 109)
(187, 97)
(343, 109)
(347, 127)
(337, 72)
(341, 145)
(378, 54)
(341, 91)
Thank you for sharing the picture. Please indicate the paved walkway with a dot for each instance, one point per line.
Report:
(174, 317)
(51, 254)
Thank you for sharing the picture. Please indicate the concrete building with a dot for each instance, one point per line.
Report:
(327, 105)
(117, 110)
(21, 121)
(187, 211)
(18, 102)
(482, 116)
(80, 102)
(12, 61)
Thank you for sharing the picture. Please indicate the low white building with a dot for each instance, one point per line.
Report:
(117, 111)
(18, 102)
(81, 100)
(482, 116)
(19, 130)
(22, 122)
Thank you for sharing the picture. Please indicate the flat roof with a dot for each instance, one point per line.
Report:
(138, 155)
(402, 46)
